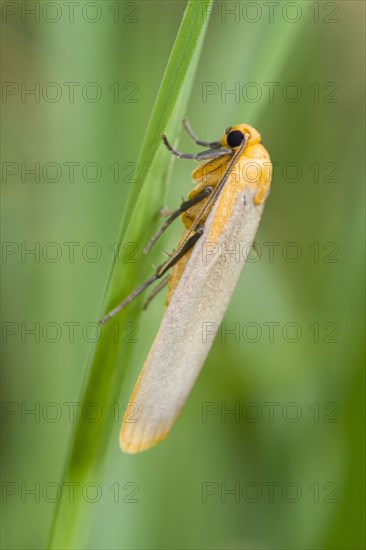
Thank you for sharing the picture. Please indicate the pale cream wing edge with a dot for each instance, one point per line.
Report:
(180, 347)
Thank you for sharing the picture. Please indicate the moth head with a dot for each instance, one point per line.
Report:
(234, 135)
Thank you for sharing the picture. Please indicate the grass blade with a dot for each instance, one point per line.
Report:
(109, 361)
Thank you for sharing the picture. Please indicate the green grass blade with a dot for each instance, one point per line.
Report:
(109, 360)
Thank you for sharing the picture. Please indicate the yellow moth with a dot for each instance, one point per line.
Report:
(222, 212)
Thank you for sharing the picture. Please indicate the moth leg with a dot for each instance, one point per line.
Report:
(156, 291)
(160, 271)
(129, 299)
(183, 207)
(203, 155)
(211, 144)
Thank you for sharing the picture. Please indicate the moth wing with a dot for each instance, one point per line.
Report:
(202, 296)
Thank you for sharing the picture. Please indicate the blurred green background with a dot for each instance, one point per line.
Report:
(287, 469)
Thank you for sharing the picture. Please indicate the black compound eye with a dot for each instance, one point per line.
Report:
(235, 138)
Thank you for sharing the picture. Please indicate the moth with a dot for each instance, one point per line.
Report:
(221, 217)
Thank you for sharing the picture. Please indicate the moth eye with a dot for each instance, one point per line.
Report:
(235, 138)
